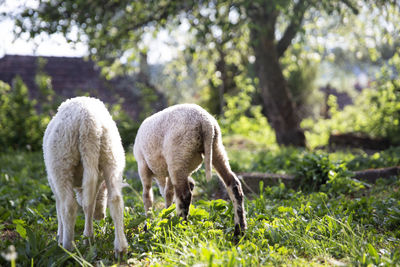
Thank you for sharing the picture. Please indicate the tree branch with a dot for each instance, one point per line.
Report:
(292, 29)
(351, 5)
(163, 12)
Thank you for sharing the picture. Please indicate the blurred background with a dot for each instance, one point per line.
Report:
(275, 73)
(307, 94)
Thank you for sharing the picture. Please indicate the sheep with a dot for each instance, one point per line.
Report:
(169, 146)
(83, 154)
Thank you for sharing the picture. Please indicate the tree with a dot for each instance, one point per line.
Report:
(114, 28)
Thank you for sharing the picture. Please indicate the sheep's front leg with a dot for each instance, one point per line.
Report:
(236, 195)
(235, 192)
(183, 194)
(234, 189)
(101, 202)
(183, 200)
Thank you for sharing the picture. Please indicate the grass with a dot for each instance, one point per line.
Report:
(285, 227)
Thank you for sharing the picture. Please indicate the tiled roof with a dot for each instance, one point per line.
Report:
(71, 76)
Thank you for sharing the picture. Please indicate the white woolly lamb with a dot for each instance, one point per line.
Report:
(83, 154)
(169, 146)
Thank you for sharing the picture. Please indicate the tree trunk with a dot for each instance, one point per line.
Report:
(278, 105)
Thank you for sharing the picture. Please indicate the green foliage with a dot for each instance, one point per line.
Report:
(382, 107)
(127, 128)
(242, 118)
(328, 226)
(148, 99)
(285, 227)
(318, 172)
(23, 122)
(20, 125)
(47, 98)
(258, 158)
(232, 35)
(301, 69)
(264, 159)
(375, 113)
(386, 158)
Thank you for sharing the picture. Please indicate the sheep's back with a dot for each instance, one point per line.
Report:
(174, 131)
(76, 118)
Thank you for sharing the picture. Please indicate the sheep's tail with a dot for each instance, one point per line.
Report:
(208, 137)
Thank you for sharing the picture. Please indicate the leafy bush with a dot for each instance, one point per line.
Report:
(126, 126)
(264, 159)
(47, 98)
(375, 113)
(300, 68)
(288, 160)
(318, 172)
(386, 158)
(20, 125)
(23, 121)
(242, 118)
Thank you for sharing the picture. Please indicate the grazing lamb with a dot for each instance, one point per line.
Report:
(83, 154)
(169, 146)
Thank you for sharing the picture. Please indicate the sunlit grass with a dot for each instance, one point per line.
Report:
(285, 227)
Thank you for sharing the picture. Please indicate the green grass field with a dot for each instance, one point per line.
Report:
(343, 222)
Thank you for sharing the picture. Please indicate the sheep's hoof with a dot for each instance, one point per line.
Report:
(145, 227)
(119, 255)
(120, 250)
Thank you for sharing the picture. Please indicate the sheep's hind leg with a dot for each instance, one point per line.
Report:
(116, 205)
(234, 189)
(59, 211)
(90, 188)
(59, 219)
(66, 204)
(68, 208)
(168, 193)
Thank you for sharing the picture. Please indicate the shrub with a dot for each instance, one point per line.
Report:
(300, 69)
(126, 126)
(20, 125)
(318, 172)
(242, 118)
(23, 121)
(376, 111)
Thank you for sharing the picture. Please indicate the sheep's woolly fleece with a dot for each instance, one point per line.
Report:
(82, 148)
(169, 146)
